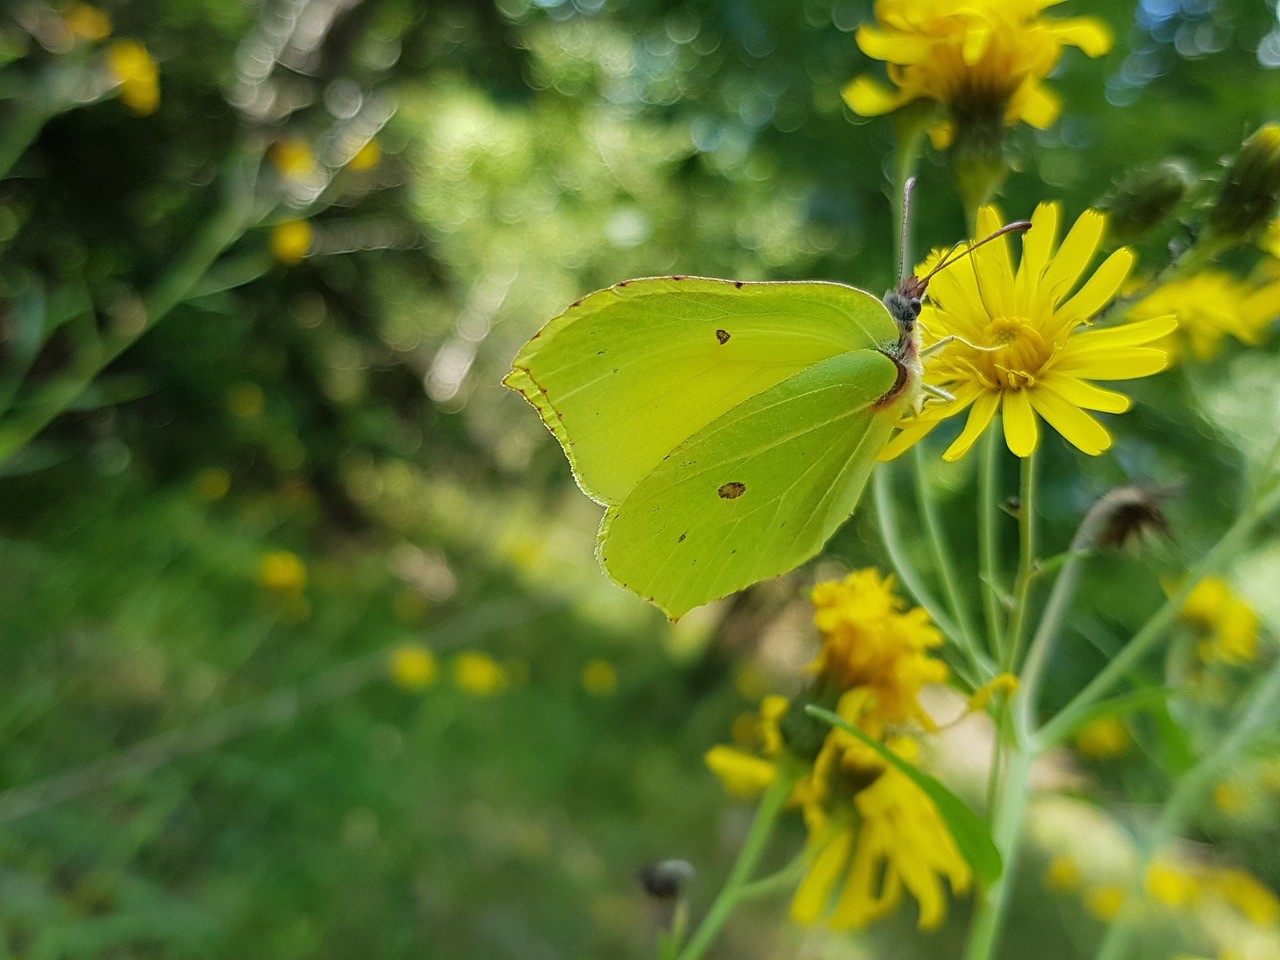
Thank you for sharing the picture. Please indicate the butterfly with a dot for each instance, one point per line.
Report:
(727, 426)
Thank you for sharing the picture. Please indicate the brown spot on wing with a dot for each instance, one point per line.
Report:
(722, 336)
(732, 490)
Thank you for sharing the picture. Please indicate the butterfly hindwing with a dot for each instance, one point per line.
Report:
(757, 491)
(628, 373)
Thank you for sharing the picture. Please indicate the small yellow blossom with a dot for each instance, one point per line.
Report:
(1103, 738)
(1250, 896)
(1005, 683)
(212, 483)
(1210, 306)
(1063, 875)
(1228, 624)
(293, 159)
(1231, 797)
(138, 74)
(1105, 903)
(479, 674)
(982, 60)
(87, 23)
(282, 572)
(869, 643)
(599, 678)
(1023, 348)
(1171, 884)
(366, 158)
(291, 241)
(413, 667)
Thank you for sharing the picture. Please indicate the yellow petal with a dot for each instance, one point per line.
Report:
(1021, 431)
(867, 98)
(1128, 334)
(1036, 104)
(907, 438)
(1086, 395)
(1102, 286)
(742, 774)
(1090, 35)
(1074, 254)
(1100, 364)
(814, 893)
(1077, 427)
(1037, 244)
(893, 47)
(984, 408)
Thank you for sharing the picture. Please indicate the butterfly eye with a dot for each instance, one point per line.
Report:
(915, 306)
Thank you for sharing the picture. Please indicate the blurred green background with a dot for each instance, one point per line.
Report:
(308, 466)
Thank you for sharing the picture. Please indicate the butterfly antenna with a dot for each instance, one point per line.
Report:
(907, 190)
(948, 260)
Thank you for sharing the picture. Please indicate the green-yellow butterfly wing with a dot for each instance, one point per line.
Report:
(728, 426)
(757, 491)
(627, 373)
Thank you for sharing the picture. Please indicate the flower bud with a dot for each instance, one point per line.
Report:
(1145, 197)
(1250, 190)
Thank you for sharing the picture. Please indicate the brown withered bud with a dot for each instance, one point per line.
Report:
(1133, 514)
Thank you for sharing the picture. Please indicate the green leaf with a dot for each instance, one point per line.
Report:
(969, 831)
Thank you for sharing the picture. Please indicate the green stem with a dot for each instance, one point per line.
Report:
(1226, 549)
(891, 537)
(771, 804)
(944, 563)
(988, 918)
(1027, 562)
(1259, 718)
(988, 545)
(785, 879)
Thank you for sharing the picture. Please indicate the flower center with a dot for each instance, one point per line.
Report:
(1020, 354)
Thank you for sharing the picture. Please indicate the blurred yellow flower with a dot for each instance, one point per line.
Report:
(212, 483)
(1063, 875)
(293, 159)
(291, 241)
(1250, 896)
(1210, 306)
(599, 678)
(1231, 797)
(1105, 903)
(1103, 738)
(413, 667)
(983, 60)
(1228, 624)
(87, 23)
(741, 774)
(1022, 347)
(1005, 683)
(282, 571)
(246, 400)
(869, 644)
(138, 74)
(479, 674)
(366, 158)
(896, 844)
(1171, 884)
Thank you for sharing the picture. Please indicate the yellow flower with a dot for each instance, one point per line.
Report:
(599, 678)
(291, 241)
(1211, 305)
(412, 666)
(897, 842)
(1103, 738)
(87, 23)
(1021, 346)
(1105, 903)
(138, 74)
(1229, 624)
(1063, 875)
(293, 159)
(246, 400)
(980, 59)
(366, 158)
(1005, 683)
(1231, 797)
(1250, 896)
(869, 644)
(1171, 884)
(479, 674)
(212, 483)
(282, 571)
(741, 774)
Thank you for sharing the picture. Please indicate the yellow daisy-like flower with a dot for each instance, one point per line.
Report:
(293, 159)
(413, 667)
(869, 644)
(1022, 347)
(291, 241)
(1229, 624)
(893, 841)
(978, 58)
(138, 74)
(1210, 306)
(479, 674)
(282, 571)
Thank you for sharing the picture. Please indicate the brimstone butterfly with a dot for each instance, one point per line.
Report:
(727, 426)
